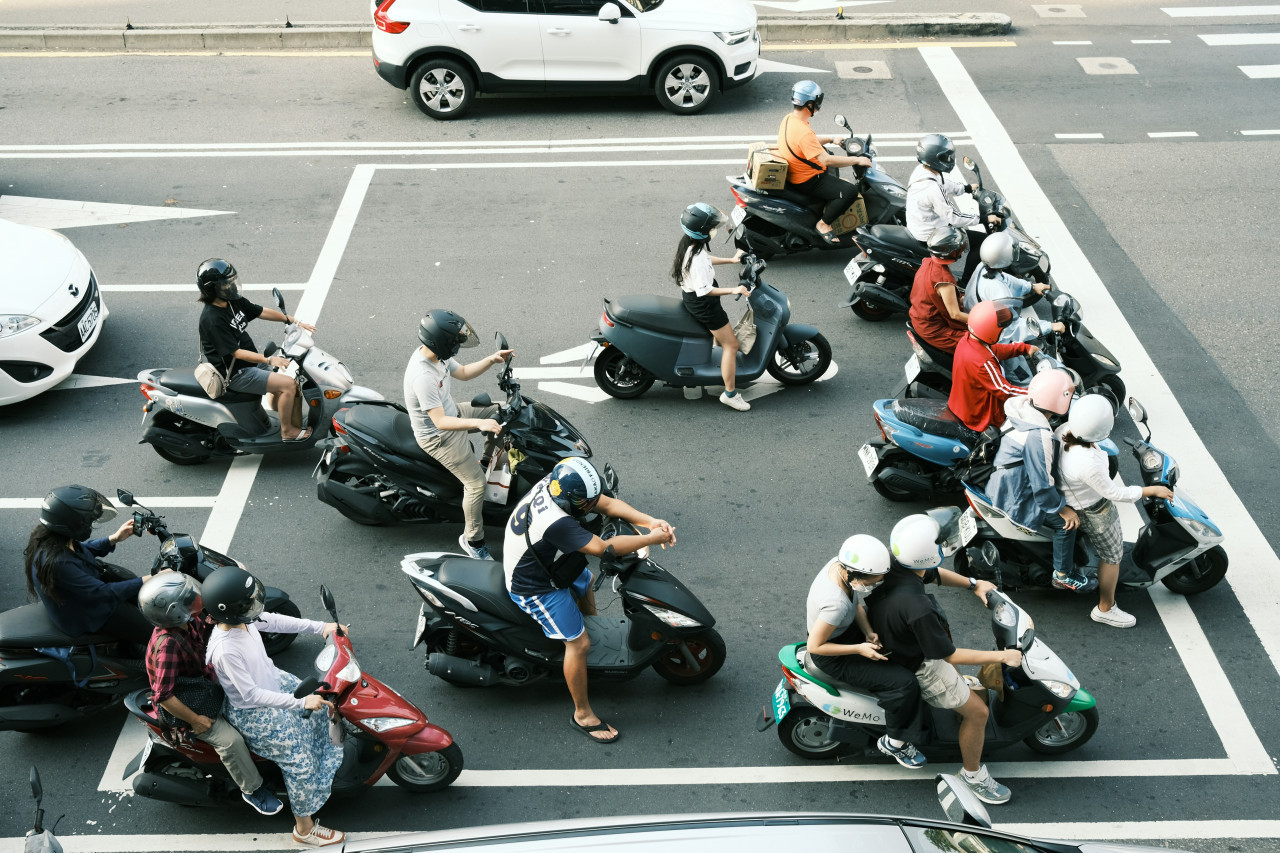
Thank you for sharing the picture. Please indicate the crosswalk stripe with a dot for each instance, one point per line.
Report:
(1238, 39)
(1220, 11)
(1261, 72)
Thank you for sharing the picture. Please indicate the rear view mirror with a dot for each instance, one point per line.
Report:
(1136, 411)
(480, 401)
(960, 803)
(609, 13)
(279, 297)
(37, 790)
(501, 340)
(329, 604)
(842, 121)
(969, 164)
(126, 498)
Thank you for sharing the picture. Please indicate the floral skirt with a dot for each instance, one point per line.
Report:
(299, 747)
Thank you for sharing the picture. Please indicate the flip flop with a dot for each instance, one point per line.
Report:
(601, 726)
(302, 436)
(833, 238)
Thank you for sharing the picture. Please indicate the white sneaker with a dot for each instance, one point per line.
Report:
(320, 836)
(735, 402)
(1115, 617)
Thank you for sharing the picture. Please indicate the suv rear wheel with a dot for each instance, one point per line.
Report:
(442, 88)
(686, 84)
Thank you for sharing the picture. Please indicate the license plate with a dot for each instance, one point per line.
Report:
(852, 270)
(418, 628)
(968, 526)
(146, 753)
(870, 459)
(781, 701)
(912, 368)
(739, 214)
(88, 322)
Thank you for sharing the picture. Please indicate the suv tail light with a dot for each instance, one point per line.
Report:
(384, 23)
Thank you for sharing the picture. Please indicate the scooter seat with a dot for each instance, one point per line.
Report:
(658, 313)
(29, 627)
(940, 358)
(483, 582)
(183, 381)
(933, 416)
(823, 676)
(795, 196)
(896, 235)
(394, 430)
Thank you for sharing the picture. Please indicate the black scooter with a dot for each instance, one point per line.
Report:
(48, 678)
(783, 222)
(374, 472)
(476, 636)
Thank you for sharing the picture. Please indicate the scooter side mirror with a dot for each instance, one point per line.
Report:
(279, 297)
(969, 164)
(326, 598)
(37, 790)
(481, 400)
(960, 804)
(1136, 411)
(126, 498)
(842, 121)
(501, 340)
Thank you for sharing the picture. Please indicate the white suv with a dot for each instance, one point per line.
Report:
(684, 51)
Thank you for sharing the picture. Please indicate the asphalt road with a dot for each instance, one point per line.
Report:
(760, 500)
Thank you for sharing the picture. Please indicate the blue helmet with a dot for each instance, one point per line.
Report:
(699, 220)
(575, 486)
(807, 92)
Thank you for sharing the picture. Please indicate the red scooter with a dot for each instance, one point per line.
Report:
(381, 731)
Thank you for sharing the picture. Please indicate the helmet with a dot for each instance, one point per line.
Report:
(864, 555)
(948, 243)
(233, 596)
(807, 92)
(1091, 418)
(700, 220)
(999, 251)
(987, 319)
(170, 600)
(217, 279)
(914, 542)
(444, 333)
(1051, 390)
(575, 486)
(937, 152)
(74, 511)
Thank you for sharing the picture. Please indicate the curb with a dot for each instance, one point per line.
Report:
(349, 35)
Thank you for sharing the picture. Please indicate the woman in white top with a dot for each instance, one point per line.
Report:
(260, 701)
(693, 271)
(1086, 481)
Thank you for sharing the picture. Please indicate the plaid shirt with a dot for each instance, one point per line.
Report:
(173, 653)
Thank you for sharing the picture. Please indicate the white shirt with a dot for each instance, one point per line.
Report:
(245, 672)
(1085, 478)
(701, 277)
(930, 205)
(829, 602)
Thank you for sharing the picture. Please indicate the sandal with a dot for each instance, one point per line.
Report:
(601, 726)
(832, 238)
(302, 436)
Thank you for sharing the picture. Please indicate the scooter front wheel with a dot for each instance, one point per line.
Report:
(1201, 574)
(619, 376)
(1064, 732)
(427, 771)
(692, 660)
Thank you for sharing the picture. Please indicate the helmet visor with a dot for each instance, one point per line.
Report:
(949, 538)
(257, 602)
(229, 288)
(467, 337)
(103, 511)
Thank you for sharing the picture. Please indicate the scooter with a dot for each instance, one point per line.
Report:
(646, 338)
(374, 472)
(39, 839)
(185, 427)
(476, 636)
(1041, 704)
(783, 222)
(882, 275)
(48, 678)
(1178, 546)
(382, 733)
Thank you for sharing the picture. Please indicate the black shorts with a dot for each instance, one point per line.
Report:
(706, 310)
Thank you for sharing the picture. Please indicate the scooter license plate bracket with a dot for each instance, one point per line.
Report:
(870, 459)
(739, 214)
(418, 628)
(912, 368)
(968, 526)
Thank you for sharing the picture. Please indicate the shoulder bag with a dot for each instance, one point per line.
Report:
(210, 378)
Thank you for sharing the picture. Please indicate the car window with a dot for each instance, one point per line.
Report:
(585, 8)
(519, 7)
(931, 840)
(643, 5)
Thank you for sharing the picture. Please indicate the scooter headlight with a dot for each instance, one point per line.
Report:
(895, 191)
(675, 620)
(1104, 361)
(1202, 530)
(350, 672)
(1005, 614)
(386, 724)
(1058, 688)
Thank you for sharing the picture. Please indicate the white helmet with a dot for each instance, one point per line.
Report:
(864, 555)
(1091, 418)
(914, 542)
(999, 251)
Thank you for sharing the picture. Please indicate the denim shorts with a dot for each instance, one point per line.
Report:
(557, 612)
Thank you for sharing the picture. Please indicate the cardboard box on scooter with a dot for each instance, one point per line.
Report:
(765, 169)
(854, 217)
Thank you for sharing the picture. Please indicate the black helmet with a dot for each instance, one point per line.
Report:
(233, 596)
(575, 486)
(217, 279)
(948, 243)
(74, 511)
(937, 152)
(444, 332)
(700, 220)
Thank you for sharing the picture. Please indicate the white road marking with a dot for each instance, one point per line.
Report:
(574, 371)
(767, 65)
(1172, 134)
(1072, 42)
(1078, 136)
(814, 5)
(1220, 11)
(883, 45)
(80, 380)
(184, 288)
(335, 244)
(1237, 39)
(1260, 133)
(1106, 65)
(586, 393)
(183, 502)
(58, 213)
(1261, 72)
(1255, 564)
(1150, 41)
(578, 353)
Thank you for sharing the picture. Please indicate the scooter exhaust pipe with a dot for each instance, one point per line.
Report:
(170, 789)
(460, 669)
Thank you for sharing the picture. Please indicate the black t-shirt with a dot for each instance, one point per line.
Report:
(222, 332)
(910, 623)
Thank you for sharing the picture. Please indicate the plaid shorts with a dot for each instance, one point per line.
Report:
(1101, 523)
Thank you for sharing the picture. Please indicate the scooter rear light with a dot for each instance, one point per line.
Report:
(384, 23)
(604, 318)
(880, 426)
(737, 198)
(148, 390)
(338, 427)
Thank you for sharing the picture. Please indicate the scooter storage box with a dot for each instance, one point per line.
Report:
(765, 169)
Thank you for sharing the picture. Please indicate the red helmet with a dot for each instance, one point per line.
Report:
(987, 319)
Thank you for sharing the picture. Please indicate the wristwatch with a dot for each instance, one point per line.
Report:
(973, 584)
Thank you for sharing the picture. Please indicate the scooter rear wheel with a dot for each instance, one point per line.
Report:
(428, 771)
(619, 376)
(871, 311)
(806, 732)
(1064, 732)
(179, 458)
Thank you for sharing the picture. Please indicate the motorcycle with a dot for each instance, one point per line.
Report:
(186, 427)
(782, 222)
(48, 678)
(1041, 702)
(646, 338)
(374, 472)
(1179, 544)
(39, 839)
(881, 276)
(382, 733)
(476, 636)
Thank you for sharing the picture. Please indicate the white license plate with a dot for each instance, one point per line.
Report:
(418, 628)
(146, 753)
(968, 526)
(781, 701)
(912, 368)
(88, 322)
(739, 214)
(870, 459)
(852, 270)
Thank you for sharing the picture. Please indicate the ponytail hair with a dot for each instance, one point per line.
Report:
(1069, 441)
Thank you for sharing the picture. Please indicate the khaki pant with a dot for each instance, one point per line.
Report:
(231, 748)
(452, 449)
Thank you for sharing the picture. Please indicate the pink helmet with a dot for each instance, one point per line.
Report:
(1051, 390)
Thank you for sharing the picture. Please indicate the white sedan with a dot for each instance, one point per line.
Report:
(51, 310)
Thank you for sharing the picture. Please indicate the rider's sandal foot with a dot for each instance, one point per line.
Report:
(320, 836)
(832, 238)
(601, 726)
(302, 436)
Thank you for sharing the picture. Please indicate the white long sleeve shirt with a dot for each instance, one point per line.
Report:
(930, 205)
(1086, 479)
(245, 671)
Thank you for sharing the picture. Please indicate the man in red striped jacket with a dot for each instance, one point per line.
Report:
(978, 384)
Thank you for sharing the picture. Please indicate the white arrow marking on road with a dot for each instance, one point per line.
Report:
(80, 380)
(58, 213)
(811, 5)
(586, 393)
(767, 65)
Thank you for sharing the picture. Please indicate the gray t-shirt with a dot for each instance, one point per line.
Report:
(426, 387)
(830, 603)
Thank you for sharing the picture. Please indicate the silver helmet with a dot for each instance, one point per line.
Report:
(170, 600)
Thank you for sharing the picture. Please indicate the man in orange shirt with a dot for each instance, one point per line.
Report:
(808, 161)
